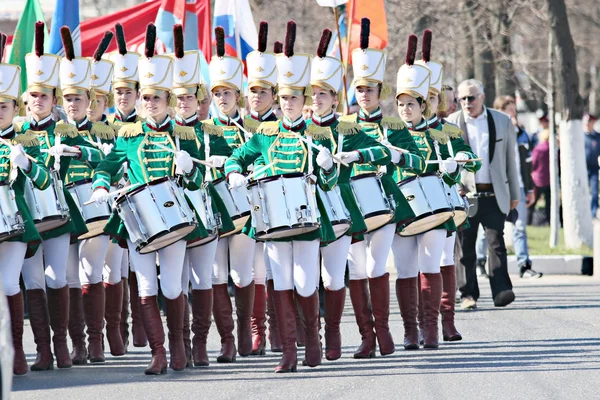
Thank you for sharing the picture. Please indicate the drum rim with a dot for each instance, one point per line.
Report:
(164, 233)
(362, 176)
(412, 178)
(241, 215)
(315, 225)
(77, 183)
(51, 218)
(200, 242)
(378, 213)
(276, 177)
(426, 215)
(138, 189)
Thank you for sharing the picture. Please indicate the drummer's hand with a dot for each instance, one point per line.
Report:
(100, 196)
(396, 156)
(236, 179)
(107, 148)
(184, 161)
(217, 161)
(19, 158)
(324, 159)
(461, 156)
(349, 156)
(449, 166)
(60, 150)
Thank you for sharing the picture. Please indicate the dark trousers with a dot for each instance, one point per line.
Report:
(593, 180)
(492, 219)
(539, 192)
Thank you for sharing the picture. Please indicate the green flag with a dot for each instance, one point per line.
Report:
(24, 37)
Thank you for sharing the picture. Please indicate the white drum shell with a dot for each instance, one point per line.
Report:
(202, 202)
(95, 216)
(48, 207)
(336, 210)
(236, 203)
(372, 201)
(11, 221)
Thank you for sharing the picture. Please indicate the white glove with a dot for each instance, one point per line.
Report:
(184, 161)
(18, 157)
(236, 180)
(449, 166)
(100, 196)
(107, 148)
(324, 159)
(461, 156)
(217, 161)
(396, 156)
(60, 150)
(349, 156)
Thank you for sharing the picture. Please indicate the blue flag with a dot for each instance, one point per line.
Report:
(66, 13)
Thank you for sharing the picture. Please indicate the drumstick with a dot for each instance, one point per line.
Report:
(319, 148)
(93, 143)
(114, 193)
(242, 128)
(165, 148)
(458, 161)
(68, 153)
(259, 171)
(6, 142)
(399, 149)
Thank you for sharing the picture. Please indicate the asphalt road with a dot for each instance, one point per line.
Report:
(544, 346)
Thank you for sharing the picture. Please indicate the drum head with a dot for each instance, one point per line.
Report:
(363, 176)
(378, 219)
(9, 235)
(211, 236)
(50, 223)
(239, 224)
(460, 216)
(426, 222)
(341, 228)
(81, 182)
(95, 227)
(166, 238)
(285, 232)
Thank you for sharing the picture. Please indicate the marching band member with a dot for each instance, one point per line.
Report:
(62, 143)
(353, 146)
(125, 87)
(190, 91)
(15, 167)
(367, 258)
(461, 151)
(293, 260)
(236, 251)
(140, 146)
(262, 82)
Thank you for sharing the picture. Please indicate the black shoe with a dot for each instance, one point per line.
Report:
(480, 269)
(504, 298)
(528, 273)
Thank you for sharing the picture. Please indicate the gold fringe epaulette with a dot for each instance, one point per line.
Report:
(348, 118)
(438, 136)
(131, 130)
(208, 126)
(65, 130)
(452, 130)
(27, 140)
(102, 131)
(319, 132)
(251, 125)
(185, 132)
(348, 128)
(268, 128)
(394, 123)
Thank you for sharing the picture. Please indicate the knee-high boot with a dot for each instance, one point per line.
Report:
(334, 307)
(431, 288)
(77, 327)
(112, 313)
(153, 328)
(257, 322)
(274, 337)
(223, 313)
(285, 307)
(309, 307)
(449, 332)
(137, 326)
(408, 297)
(187, 341)
(202, 304)
(380, 299)
(244, 302)
(93, 309)
(58, 308)
(124, 325)
(16, 309)
(175, 310)
(359, 295)
(40, 326)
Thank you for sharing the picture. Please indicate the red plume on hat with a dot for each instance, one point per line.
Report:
(121, 43)
(39, 38)
(67, 41)
(278, 47)
(103, 45)
(426, 45)
(178, 41)
(150, 40)
(411, 50)
(290, 39)
(324, 43)
(365, 32)
(220, 41)
(262, 36)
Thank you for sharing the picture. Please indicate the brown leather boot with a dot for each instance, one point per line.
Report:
(77, 327)
(223, 313)
(175, 310)
(187, 342)
(93, 309)
(58, 308)
(40, 326)
(380, 299)
(449, 332)
(112, 314)
(300, 334)
(124, 324)
(16, 309)
(202, 304)
(244, 302)
(309, 307)
(431, 288)
(420, 310)
(274, 338)
(257, 323)
(137, 326)
(334, 307)
(285, 307)
(359, 296)
(408, 297)
(153, 328)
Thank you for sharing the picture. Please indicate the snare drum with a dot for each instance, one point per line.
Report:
(202, 202)
(336, 210)
(283, 206)
(156, 214)
(428, 200)
(48, 207)
(95, 215)
(370, 196)
(458, 203)
(236, 203)
(11, 221)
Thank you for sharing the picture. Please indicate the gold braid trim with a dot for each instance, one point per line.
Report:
(251, 125)
(65, 130)
(208, 126)
(27, 140)
(393, 123)
(348, 128)
(348, 118)
(452, 130)
(131, 130)
(268, 128)
(185, 132)
(438, 136)
(102, 131)
(319, 132)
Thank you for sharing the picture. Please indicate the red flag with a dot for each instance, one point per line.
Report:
(375, 11)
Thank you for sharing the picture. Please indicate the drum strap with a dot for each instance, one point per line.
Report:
(383, 168)
(207, 174)
(57, 158)
(310, 155)
(339, 149)
(436, 146)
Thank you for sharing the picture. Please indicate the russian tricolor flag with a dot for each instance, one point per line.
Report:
(66, 13)
(236, 18)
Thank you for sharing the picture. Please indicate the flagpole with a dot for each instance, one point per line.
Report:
(238, 46)
(337, 25)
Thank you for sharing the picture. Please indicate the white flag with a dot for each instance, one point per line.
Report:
(331, 3)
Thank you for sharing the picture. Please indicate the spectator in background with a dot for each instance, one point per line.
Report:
(544, 125)
(592, 152)
(540, 173)
(451, 101)
(204, 108)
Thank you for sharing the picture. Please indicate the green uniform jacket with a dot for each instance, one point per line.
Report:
(280, 146)
(146, 162)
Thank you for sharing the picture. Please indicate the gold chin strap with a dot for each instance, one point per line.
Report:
(22, 108)
(386, 91)
(59, 97)
(172, 100)
(93, 100)
(200, 92)
(111, 100)
(308, 92)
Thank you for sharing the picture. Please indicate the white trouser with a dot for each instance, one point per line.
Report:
(240, 249)
(368, 257)
(260, 263)
(333, 265)
(116, 257)
(200, 261)
(73, 267)
(448, 252)
(124, 264)
(51, 259)
(92, 253)
(421, 252)
(12, 255)
(294, 264)
(171, 268)
(185, 275)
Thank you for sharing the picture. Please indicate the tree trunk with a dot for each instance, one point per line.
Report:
(485, 67)
(577, 215)
(505, 72)
(467, 45)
